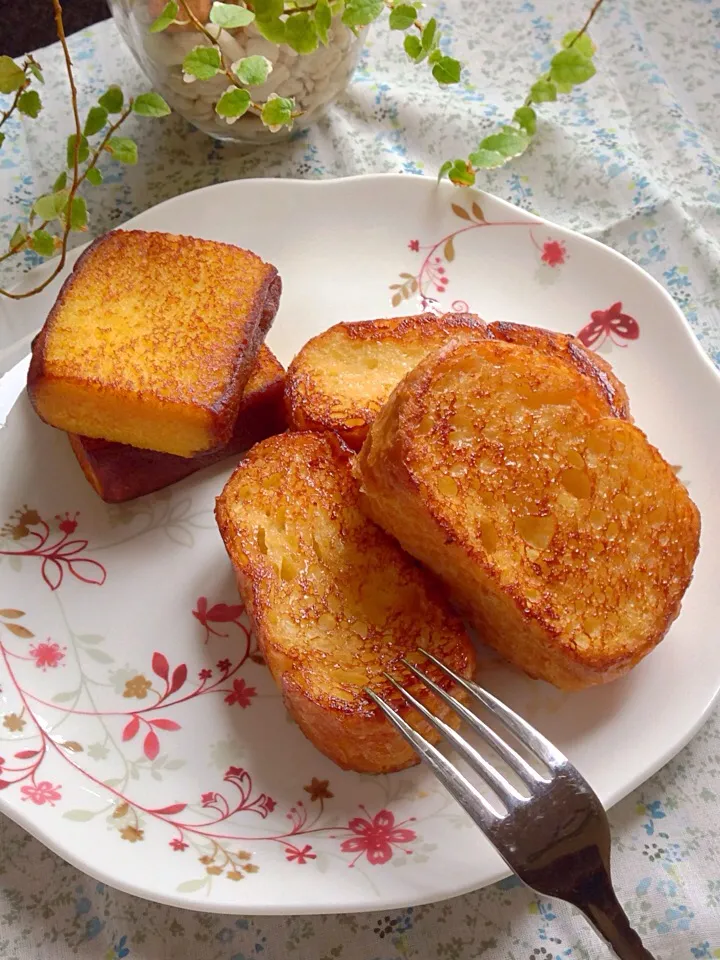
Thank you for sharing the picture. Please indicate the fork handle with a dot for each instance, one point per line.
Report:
(604, 912)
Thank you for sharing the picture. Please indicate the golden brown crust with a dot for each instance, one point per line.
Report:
(152, 340)
(334, 600)
(572, 351)
(119, 472)
(341, 378)
(561, 532)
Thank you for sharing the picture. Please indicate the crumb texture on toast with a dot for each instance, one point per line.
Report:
(340, 379)
(562, 533)
(334, 600)
(152, 340)
(119, 472)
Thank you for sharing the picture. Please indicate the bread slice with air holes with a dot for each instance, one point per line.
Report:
(341, 378)
(561, 532)
(152, 340)
(334, 600)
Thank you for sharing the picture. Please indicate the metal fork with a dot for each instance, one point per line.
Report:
(557, 840)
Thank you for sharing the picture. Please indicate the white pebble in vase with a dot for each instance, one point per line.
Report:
(312, 80)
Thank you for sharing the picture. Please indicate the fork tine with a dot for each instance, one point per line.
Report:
(522, 768)
(472, 802)
(502, 787)
(524, 731)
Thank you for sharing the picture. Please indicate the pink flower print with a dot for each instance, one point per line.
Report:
(40, 793)
(178, 844)
(295, 855)
(47, 654)
(554, 253)
(241, 694)
(414, 245)
(375, 837)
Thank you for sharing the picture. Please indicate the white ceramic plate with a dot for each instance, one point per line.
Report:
(141, 740)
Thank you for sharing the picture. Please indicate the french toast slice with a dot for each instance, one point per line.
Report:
(562, 533)
(152, 340)
(340, 379)
(610, 390)
(334, 600)
(119, 472)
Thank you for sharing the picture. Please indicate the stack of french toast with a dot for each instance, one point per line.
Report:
(407, 479)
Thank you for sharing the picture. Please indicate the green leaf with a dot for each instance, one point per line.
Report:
(300, 33)
(429, 35)
(202, 62)
(571, 66)
(509, 141)
(51, 205)
(37, 72)
(435, 55)
(2, 138)
(61, 182)
(168, 14)
(268, 9)
(112, 100)
(584, 44)
(82, 816)
(12, 77)
(413, 46)
(94, 177)
(402, 17)
(460, 174)
(498, 148)
(123, 149)
(277, 112)
(273, 30)
(527, 119)
(447, 70)
(78, 214)
(42, 243)
(150, 105)
(323, 19)
(83, 150)
(18, 238)
(358, 13)
(486, 159)
(29, 103)
(230, 15)
(96, 120)
(542, 91)
(444, 169)
(252, 71)
(233, 103)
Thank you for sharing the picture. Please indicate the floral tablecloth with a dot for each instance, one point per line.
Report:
(630, 159)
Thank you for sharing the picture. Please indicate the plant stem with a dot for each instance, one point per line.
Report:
(57, 10)
(103, 143)
(6, 114)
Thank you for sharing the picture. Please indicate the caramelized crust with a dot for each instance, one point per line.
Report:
(341, 378)
(611, 392)
(119, 472)
(564, 535)
(152, 341)
(334, 600)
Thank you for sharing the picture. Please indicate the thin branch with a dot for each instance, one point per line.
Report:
(6, 114)
(103, 143)
(57, 9)
(595, 7)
